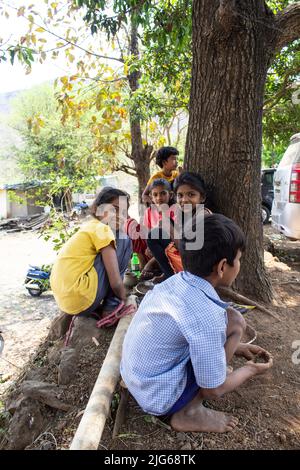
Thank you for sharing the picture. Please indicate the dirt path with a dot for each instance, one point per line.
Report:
(24, 320)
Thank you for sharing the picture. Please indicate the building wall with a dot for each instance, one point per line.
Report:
(17, 209)
(3, 204)
(26, 208)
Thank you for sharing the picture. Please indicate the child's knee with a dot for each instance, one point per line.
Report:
(236, 320)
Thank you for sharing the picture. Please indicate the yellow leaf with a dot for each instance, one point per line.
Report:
(40, 30)
(152, 126)
(64, 80)
(125, 69)
(122, 113)
(161, 141)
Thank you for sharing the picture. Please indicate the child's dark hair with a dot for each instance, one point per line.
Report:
(106, 196)
(160, 182)
(192, 179)
(163, 154)
(222, 239)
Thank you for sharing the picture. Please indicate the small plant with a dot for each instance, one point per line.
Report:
(115, 401)
(59, 230)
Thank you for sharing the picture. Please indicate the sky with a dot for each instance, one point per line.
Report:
(13, 77)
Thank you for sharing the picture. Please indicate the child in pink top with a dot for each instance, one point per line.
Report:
(162, 198)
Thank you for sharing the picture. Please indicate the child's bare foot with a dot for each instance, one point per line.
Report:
(202, 420)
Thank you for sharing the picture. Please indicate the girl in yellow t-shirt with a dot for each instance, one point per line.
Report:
(90, 267)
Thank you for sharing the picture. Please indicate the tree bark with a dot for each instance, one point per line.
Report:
(140, 154)
(287, 26)
(231, 56)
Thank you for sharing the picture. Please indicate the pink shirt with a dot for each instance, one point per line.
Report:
(152, 217)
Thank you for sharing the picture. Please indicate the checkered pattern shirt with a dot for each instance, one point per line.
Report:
(181, 319)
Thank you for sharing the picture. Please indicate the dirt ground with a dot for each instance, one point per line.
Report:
(268, 407)
(24, 320)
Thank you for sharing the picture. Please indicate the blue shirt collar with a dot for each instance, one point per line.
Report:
(205, 286)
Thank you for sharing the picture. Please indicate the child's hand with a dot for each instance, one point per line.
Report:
(249, 351)
(260, 367)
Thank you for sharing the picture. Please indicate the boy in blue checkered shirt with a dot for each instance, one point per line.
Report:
(178, 345)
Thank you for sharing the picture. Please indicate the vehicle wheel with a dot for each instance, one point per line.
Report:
(35, 292)
(265, 214)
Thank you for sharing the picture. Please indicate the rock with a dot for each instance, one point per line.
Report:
(13, 405)
(186, 446)
(59, 326)
(68, 366)
(25, 426)
(54, 354)
(282, 438)
(210, 443)
(182, 436)
(84, 329)
(37, 373)
(44, 393)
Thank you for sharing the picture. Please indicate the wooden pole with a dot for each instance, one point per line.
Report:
(90, 429)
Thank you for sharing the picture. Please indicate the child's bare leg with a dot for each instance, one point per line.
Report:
(235, 330)
(143, 260)
(152, 263)
(194, 417)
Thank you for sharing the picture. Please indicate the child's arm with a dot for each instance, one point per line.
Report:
(237, 378)
(111, 265)
(145, 196)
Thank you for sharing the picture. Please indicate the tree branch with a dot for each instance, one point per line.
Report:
(68, 42)
(287, 84)
(287, 23)
(127, 169)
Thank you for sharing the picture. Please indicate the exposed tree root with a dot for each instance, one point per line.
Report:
(245, 300)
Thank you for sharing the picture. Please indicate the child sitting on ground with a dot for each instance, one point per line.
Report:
(166, 159)
(161, 196)
(178, 345)
(190, 192)
(90, 267)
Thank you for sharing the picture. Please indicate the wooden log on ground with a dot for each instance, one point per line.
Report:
(90, 429)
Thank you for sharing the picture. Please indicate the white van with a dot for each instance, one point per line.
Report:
(286, 204)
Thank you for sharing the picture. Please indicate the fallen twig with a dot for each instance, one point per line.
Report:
(121, 412)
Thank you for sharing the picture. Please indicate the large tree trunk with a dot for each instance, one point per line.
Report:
(140, 154)
(231, 55)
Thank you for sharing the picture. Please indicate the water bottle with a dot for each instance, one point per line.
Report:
(135, 265)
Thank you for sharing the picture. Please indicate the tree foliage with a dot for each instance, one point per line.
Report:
(62, 157)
